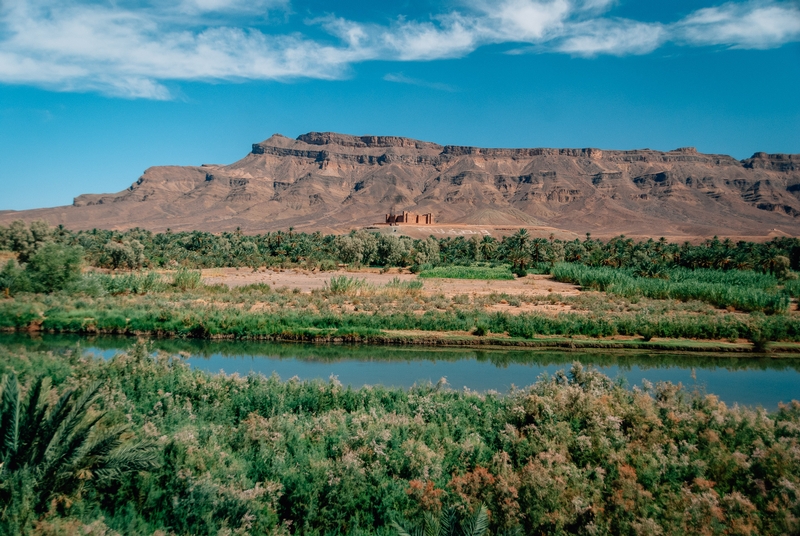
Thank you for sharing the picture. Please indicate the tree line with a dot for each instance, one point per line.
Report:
(36, 245)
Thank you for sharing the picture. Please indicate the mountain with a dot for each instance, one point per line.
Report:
(334, 182)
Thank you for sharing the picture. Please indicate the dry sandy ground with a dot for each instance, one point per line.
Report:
(535, 285)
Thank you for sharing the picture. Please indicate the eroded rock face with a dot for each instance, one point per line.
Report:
(334, 182)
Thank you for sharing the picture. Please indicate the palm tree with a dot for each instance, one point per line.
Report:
(487, 247)
(448, 525)
(59, 450)
(518, 249)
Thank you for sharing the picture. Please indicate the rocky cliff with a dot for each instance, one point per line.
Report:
(333, 182)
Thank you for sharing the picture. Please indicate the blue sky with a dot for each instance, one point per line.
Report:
(93, 92)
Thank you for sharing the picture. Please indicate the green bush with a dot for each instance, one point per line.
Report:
(480, 330)
(53, 267)
(142, 283)
(468, 272)
(411, 286)
(342, 284)
(187, 279)
(743, 290)
(792, 288)
(13, 278)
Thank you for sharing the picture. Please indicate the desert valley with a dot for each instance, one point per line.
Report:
(512, 268)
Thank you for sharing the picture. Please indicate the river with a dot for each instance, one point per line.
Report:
(745, 379)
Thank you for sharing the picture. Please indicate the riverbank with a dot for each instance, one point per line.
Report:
(465, 340)
(348, 310)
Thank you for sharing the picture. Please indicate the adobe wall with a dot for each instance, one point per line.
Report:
(410, 217)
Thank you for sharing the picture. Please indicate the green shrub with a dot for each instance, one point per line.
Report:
(328, 265)
(254, 288)
(342, 284)
(13, 278)
(92, 285)
(187, 279)
(53, 267)
(133, 283)
(792, 288)
(407, 287)
(745, 291)
(468, 272)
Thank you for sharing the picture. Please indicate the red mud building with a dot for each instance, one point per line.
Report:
(410, 217)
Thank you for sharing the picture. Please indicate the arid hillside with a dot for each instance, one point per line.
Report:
(335, 182)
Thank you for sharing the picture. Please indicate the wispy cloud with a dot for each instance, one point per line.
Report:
(135, 51)
(618, 37)
(750, 25)
(400, 78)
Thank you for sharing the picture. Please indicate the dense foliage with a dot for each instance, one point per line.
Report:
(742, 290)
(572, 454)
(138, 248)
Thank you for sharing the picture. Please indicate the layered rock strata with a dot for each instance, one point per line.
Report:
(335, 182)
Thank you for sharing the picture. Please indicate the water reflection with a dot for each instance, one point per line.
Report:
(743, 378)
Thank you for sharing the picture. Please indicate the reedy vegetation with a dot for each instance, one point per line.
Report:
(745, 291)
(468, 272)
(371, 314)
(574, 453)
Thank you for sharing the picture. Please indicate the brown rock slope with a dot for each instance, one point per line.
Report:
(334, 182)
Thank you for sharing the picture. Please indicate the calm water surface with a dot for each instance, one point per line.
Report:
(745, 379)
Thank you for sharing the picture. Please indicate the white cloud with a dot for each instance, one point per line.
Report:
(455, 36)
(613, 36)
(526, 20)
(261, 6)
(400, 78)
(757, 25)
(128, 53)
(134, 51)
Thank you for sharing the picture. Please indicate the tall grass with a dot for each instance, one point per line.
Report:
(132, 283)
(398, 286)
(187, 279)
(745, 291)
(343, 284)
(469, 272)
(792, 288)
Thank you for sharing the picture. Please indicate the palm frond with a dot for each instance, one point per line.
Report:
(103, 444)
(9, 418)
(64, 457)
(478, 524)
(139, 456)
(35, 412)
(448, 523)
(58, 447)
(50, 429)
(400, 530)
(431, 526)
